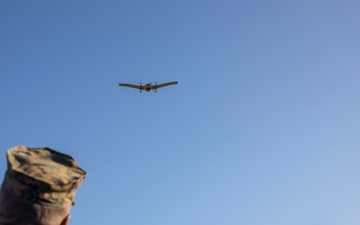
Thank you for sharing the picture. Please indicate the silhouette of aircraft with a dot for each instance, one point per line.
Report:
(149, 86)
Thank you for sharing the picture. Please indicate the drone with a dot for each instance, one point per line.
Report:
(149, 86)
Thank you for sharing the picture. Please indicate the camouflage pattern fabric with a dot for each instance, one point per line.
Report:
(42, 176)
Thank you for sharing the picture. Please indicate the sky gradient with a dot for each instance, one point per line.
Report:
(263, 127)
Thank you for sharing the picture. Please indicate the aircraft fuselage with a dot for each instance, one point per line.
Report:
(148, 87)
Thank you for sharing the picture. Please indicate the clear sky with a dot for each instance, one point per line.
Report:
(262, 129)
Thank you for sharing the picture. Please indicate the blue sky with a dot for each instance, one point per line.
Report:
(263, 127)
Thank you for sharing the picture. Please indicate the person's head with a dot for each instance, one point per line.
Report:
(39, 187)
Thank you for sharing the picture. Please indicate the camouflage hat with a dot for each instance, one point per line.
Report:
(42, 175)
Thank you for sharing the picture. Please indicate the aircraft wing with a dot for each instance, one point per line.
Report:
(166, 84)
(130, 85)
